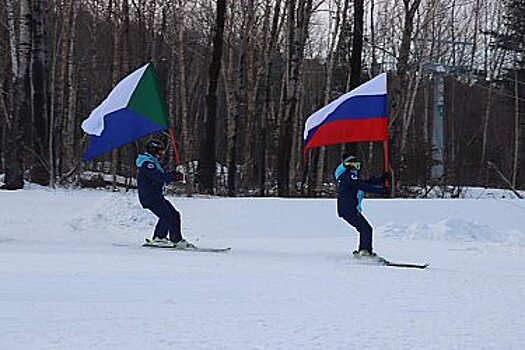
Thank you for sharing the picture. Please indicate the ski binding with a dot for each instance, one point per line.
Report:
(380, 261)
(149, 243)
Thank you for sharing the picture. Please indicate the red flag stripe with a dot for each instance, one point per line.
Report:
(345, 131)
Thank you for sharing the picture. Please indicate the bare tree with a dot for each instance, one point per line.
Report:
(516, 152)
(269, 57)
(404, 51)
(17, 127)
(230, 77)
(115, 73)
(298, 21)
(39, 124)
(70, 159)
(357, 45)
(340, 20)
(207, 154)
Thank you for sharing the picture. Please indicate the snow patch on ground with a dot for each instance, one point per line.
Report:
(452, 230)
(288, 282)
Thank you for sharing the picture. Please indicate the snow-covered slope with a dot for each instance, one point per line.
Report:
(73, 275)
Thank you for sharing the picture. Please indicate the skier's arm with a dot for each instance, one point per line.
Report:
(366, 186)
(154, 174)
(378, 180)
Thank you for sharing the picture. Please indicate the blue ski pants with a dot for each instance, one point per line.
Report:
(169, 220)
(363, 227)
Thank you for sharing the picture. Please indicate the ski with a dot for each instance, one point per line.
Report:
(380, 261)
(407, 265)
(149, 244)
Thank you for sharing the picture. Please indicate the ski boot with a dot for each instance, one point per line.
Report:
(184, 244)
(159, 242)
(366, 254)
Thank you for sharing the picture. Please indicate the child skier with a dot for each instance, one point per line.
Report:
(151, 179)
(350, 193)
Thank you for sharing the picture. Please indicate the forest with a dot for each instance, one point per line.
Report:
(240, 77)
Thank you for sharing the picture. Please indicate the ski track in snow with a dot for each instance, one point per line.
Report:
(74, 277)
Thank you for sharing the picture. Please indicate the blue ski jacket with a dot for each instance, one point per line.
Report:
(151, 179)
(351, 191)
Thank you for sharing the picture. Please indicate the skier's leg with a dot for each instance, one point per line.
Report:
(172, 221)
(161, 229)
(364, 229)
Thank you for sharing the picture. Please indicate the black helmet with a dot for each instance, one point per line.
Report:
(154, 147)
(352, 162)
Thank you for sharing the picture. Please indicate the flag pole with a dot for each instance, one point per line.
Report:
(386, 162)
(306, 161)
(386, 155)
(174, 145)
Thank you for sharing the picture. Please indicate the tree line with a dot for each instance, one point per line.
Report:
(240, 77)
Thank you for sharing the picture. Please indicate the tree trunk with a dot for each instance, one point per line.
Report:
(340, 13)
(207, 152)
(375, 68)
(477, 8)
(288, 104)
(152, 4)
(232, 105)
(515, 165)
(408, 26)
(357, 44)
(269, 58)
(183, 97)
(494, 67)
(486, 119)
(114, 80)
(248, 81)
(8, 107)
(408, 112)
(18, 127)
(13, 36)
(52, 109)
(39, 171)
(70, 114)
(61, 108)
(297, 35)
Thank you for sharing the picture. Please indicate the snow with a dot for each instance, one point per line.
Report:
(468, 192)
(73, 275)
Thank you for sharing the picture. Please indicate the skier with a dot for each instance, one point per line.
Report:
(151, 179)
(350, 192)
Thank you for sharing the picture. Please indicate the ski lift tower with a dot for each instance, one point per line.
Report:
(439, 70)
(438, 145)
(438, 121)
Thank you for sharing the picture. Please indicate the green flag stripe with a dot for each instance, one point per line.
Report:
(147, 99)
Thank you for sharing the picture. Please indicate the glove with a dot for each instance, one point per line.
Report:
(177, 176)
(385, 176)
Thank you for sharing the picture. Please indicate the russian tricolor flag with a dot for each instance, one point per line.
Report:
(359, 115)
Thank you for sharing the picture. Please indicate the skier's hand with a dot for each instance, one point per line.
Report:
(177, 176)
(385, 175)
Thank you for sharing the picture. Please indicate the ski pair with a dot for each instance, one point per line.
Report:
(380, 261)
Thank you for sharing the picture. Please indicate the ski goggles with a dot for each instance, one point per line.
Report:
(355, 165)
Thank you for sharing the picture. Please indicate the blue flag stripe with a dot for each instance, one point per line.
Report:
(121, 127)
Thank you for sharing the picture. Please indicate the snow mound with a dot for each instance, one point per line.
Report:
(453, 230)
(116, 212)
